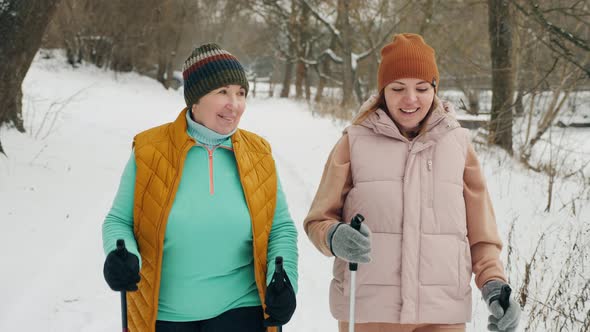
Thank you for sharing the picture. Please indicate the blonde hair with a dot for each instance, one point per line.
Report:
(380, 103)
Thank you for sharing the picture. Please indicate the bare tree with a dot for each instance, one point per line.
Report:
(546, 78)
(348, 70)
(292, 47)
(345, 40)
(500, 33)
(109, 34)
(303, 44)
(22, 24)
(324, 71)
(569, 44)
(169, 17)
(293, 41)
(463, 56)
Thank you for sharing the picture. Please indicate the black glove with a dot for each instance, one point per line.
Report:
(280, 300)
(121, 270)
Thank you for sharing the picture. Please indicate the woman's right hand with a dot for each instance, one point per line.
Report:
(349, 244)
(121, 270)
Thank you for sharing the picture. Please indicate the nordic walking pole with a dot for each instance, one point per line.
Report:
(356, 224)
(279, 271)
(120, 248)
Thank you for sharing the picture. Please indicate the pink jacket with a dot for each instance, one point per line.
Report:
(431, 218)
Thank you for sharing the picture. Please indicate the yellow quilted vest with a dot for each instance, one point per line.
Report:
(160, 153)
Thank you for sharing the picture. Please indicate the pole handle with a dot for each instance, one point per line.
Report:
(279, 271)
(356, 224)
(505, 297)
(121, 252)
(279, 264)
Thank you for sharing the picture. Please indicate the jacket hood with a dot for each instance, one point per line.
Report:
(441, 121)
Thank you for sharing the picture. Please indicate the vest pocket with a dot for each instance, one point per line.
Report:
(385, 265)
(439, 260)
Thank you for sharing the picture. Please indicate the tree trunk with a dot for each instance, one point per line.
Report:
(287, 79)
(161, 72)
(428, 9)
(358, 89)
(473, 100)
(323, 68)
(519, 102)
(292, 50)
(302, 42)
(299, 78)
(22, 25)
(500, 32)
(520, 56)
(372, 72)
(299, 64)
(160, 27)
(170, 70)
(347, 68)
(176, 30)
(307, 85)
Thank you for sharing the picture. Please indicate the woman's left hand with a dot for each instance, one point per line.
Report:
(280, 300)
(504, 320)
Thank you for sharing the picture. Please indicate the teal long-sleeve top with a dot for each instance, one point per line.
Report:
(208, 265)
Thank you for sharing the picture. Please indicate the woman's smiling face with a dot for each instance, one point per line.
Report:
(221, 109)
(408, 101)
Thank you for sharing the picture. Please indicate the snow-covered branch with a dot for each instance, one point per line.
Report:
(330, 53)
(541, 19)
(322, 19)
(4, 4)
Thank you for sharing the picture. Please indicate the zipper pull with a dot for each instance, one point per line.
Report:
(429, 164)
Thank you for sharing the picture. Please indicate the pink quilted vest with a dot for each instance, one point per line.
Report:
(411, 194)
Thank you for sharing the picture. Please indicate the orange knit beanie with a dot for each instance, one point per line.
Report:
(407, 56)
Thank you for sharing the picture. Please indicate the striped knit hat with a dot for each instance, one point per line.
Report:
(210, 67)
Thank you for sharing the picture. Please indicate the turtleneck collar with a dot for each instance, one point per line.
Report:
(203, 134)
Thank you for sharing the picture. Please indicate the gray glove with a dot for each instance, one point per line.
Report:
(500, 320)
(349, 244)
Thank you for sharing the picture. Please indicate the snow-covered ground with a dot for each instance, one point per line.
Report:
(60, 178)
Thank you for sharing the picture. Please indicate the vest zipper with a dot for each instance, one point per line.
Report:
(429, 164)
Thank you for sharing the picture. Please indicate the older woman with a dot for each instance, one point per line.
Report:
(203, 215)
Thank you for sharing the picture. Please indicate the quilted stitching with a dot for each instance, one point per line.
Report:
(257, 173)
(156, 162)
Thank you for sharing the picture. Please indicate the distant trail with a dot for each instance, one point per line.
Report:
(293, 173)
(300, 144)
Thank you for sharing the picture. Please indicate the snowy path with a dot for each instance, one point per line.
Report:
(55, 190)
